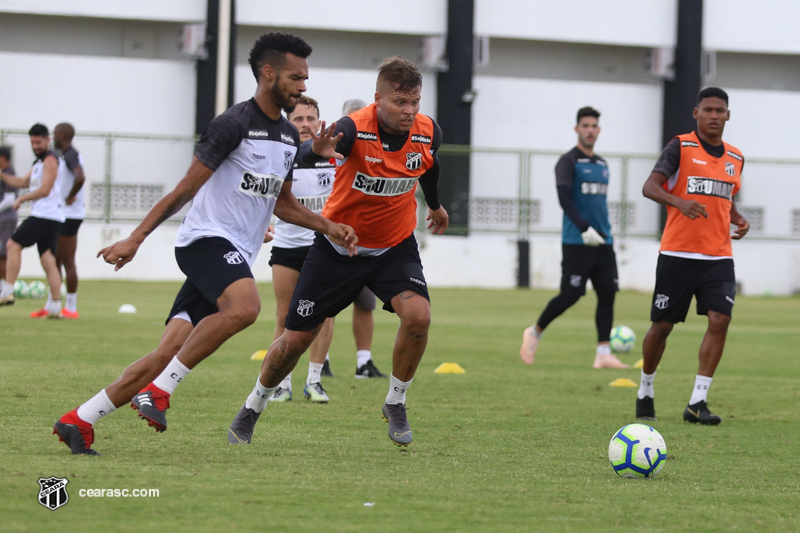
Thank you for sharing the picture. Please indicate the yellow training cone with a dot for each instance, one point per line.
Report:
(259, 355)
(622, 382)
(449, 368)
(639, 363)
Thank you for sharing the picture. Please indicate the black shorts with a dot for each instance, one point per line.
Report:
(70, 227)
(712, 282)
(289, 257)
(365, 300)
(329, 281)
(597, 263)
(211, 264)
(7, 228)
(42, 232)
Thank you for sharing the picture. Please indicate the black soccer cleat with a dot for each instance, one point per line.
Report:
(369, 370)
(326, 369)
(241, 430)
(645, 410)
(399, 430)
(75, 433)
(152, 404)
(698, 413)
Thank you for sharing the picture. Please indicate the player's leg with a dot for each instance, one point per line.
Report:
(575, 265)
(67, 246)
(672, 296)
(327, 284)
(313, 389)
(13, 265)
(218, 272)
(715, 298)
(48, 260)
(284, 278)
(363, 328)
(7, 228)
(76, 428)
(605, 282)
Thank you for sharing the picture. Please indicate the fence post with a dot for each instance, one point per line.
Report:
(107, 178)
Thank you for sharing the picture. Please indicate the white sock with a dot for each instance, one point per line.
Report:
(172, 375)
(49, 300)
(257, 401)
(363, 357)
(603, 349)
(54, 307)
(314, 373)
(96, 408)
(287, 382)
(328, 356)
(536, 334)
(72, 302)
(8, 290)
(646, 385)
(397, 390)
(700, 392)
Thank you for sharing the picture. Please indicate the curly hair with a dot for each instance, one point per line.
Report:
(271, 49)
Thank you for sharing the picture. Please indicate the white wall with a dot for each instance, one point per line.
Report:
(415, 17)
(173, 10)
(621, 22)
(99, 93)
(747, 26)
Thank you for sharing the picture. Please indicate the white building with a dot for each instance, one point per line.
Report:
(116, 67)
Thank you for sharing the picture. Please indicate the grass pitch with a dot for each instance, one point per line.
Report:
(503, 447)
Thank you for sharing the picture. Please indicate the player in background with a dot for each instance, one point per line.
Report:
(8, 215)
(586, 242)
(696, 177)
(290, 244)
(381, 151)
(364, 304)
(241, 171)
(43, 225)
(74, 212)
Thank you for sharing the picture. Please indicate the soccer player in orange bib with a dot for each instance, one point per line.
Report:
(381, 152)
(696, 177)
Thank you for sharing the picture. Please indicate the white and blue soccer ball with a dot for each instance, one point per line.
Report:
(637, 451)
(21, 289)
(622, 340)
(37, 289)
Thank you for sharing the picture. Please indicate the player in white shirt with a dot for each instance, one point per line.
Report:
(42, 226)
(241, 172)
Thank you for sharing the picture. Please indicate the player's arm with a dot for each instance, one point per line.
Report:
(438, 218)
(742, 224)
(565, 176)
(122, 252)
(49, 173)
(7, 201)
(333, 142)
(17, 181)
(75, 166)
(654, 189)
(289, 209)
(668, 164)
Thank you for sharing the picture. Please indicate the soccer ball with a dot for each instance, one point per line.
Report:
(21, 289)
(623, 339)
(37, 289)
(637, 450)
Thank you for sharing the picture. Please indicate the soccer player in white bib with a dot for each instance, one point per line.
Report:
(42, 226)
(241, 172)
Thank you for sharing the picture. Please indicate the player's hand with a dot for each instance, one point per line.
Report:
(438, 219)
(120, 253)
(344, 235)
(70, 200)
(270, 234)
(592, 238)
(693, 209)
(16, 204)
(324, 144)
(742, 227)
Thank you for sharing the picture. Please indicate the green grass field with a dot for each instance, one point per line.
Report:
(503, 447)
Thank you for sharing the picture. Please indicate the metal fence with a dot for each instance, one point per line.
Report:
(511, 192)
